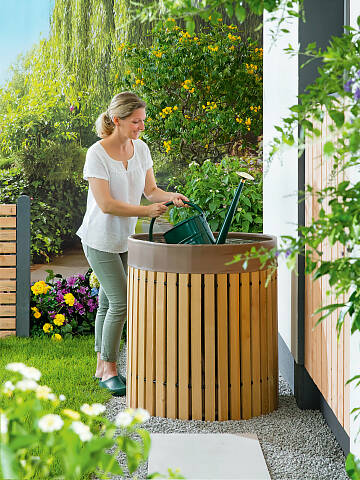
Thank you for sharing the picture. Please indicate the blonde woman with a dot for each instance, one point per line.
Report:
(119, 170)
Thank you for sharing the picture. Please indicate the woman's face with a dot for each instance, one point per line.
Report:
(132, 125)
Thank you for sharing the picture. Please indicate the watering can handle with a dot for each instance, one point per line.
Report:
(168, 204)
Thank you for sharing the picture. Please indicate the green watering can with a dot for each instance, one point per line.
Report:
(196, 230)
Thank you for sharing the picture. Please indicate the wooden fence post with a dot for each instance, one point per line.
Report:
(23, 266)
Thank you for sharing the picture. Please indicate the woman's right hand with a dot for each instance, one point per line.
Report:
(156, 209)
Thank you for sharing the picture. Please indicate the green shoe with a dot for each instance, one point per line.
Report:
(115, 385)
(122, 378)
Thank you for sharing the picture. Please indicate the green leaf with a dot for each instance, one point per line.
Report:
(240, 13)
(329, 148)
(190, 25)
(338, 117)
(229, 10)
(8, 465)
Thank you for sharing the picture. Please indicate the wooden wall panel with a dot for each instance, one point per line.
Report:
(326, 358)
(7, 270)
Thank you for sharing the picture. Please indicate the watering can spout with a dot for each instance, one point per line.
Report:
(231, 211)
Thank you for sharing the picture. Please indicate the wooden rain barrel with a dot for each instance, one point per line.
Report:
(202, 335)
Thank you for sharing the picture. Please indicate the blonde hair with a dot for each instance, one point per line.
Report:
(121, 106)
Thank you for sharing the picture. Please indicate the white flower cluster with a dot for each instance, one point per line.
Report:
(131, 416)
(93, 410)
(29, 383)
(82, 430)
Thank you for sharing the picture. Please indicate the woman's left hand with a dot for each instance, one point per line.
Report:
(177, 199)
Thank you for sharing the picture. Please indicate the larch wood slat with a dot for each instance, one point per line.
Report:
(172, 365)
(9, 209)
(150, 343)
(271, 369)
(209, 335)
(8, 285)
(326, 360)
(7, 222)
(142, 337)
(7, 298)
(130, 303)
(7, 247)
(245, 336)
(184, 347)
(7, 323)
(160, 344)
(234, 333)
(7, 311)
(7, 260)
(255, 344)
(7, 235)
(196, 347)
(264, 344)
(135, 340)
(4, 333)
(222, 347)
(7, 273)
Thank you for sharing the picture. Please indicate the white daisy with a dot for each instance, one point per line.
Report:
(50, 423)
(82, 430)
(93, 410)
(123, 419)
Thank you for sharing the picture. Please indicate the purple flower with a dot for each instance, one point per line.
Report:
(82, 312)
(71, 281)
(357, 94)
(348, 85)
(358, 73)
(277, 253)
(58, 284)
(59, 297)
(82, 290)
(81, 277)
(288, 252)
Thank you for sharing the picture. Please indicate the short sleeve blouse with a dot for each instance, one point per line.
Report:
(103, 231)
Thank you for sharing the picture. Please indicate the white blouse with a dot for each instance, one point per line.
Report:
(103, 231)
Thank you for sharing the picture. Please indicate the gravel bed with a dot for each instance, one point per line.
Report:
(297, 444)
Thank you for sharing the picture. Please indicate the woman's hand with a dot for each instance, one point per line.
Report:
(177, 199)
(156, 209)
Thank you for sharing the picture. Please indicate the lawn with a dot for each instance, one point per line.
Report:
(67, 367)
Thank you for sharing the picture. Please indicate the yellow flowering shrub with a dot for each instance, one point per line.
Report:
(201, 89)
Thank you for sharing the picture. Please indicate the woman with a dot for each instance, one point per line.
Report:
(118, 169)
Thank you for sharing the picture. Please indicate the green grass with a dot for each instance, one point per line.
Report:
(67, 367)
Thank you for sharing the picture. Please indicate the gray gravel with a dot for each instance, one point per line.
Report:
(297, 444)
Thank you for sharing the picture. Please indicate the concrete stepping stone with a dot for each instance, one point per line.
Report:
(208, 456)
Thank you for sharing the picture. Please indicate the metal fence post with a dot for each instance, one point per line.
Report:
(23, 266)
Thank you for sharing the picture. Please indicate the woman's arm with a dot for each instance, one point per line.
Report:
(155, 194)
(101, 191)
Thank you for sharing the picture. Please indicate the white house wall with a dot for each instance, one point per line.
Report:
(281, 175)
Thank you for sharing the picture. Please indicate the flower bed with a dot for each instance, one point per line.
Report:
(63, 307)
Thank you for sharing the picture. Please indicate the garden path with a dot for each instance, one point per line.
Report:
(71, 262)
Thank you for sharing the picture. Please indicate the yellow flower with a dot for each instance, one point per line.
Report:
(248, 121)
(137, 81)
(56, 337)
(69, 299)
(59, 320)
(175, 107)
(192, 90)
(128, 72)
(232, 47)
(239, 120)
(116, 76)
(209, 17)
(48, 327)
(40, 287)
(71, 414)
(206, 146)
(170, 20)
(213, 49)
(220, 19)
(37, 314)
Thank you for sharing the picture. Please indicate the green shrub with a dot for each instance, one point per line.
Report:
(6, 163)
(56, 209)
(204, 91)
(212, 186)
